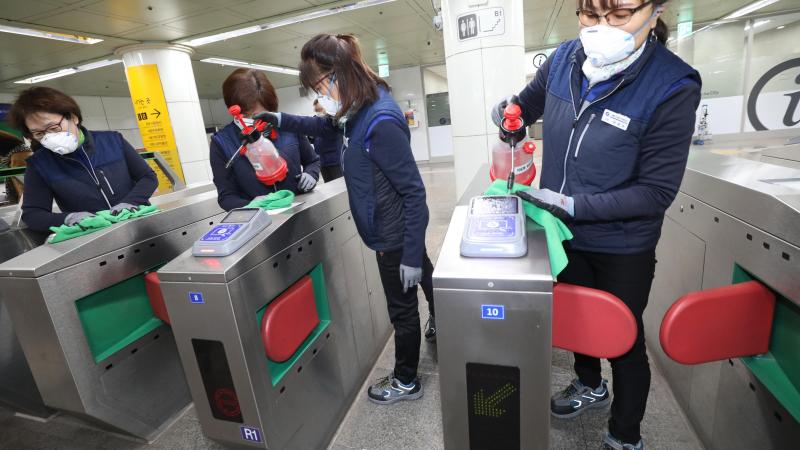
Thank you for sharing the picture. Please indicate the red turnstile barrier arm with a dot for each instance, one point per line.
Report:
(718, 324)
(153, 286)
(591, 322)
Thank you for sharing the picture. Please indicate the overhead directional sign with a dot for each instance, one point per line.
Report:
(152, 117)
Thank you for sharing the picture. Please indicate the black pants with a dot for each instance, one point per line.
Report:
(629, 277)
(330, 173)
(403, 311)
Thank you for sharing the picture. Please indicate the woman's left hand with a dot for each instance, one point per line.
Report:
(306, 182)
(560, 205)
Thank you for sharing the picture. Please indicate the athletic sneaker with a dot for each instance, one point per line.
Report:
(612, 443)
(577, 398)
(430, 329)
(389, 389)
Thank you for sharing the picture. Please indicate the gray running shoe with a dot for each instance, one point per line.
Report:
(389, 389)
(612, 443)
(577, 398)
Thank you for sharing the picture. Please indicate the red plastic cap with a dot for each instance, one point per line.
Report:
(512, 111)
(529, 147)
(235, 110)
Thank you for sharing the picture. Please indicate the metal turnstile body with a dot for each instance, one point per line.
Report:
(494, 341)
(18, 389)
(732, 216)
(138, 388)
(243, 398)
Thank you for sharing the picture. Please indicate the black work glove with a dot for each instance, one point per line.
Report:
(500, 107)
(271, 118)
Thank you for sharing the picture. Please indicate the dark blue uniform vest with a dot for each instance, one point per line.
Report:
(595, 148)
(377, 207)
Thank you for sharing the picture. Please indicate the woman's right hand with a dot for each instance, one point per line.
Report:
(500, 107)
(271, 118)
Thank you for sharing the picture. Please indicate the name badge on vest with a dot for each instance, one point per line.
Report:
(616, 119)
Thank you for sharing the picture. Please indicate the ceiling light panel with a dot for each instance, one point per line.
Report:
(249, 65)
(283, 22)
(74, 38)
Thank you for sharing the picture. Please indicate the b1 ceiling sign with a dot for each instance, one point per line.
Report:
(791, 116)
(481, 23)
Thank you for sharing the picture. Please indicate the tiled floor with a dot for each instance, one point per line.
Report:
(407, 425)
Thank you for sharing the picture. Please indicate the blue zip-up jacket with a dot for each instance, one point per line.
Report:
(237, 186)
(619, 149)
(385, 189)
(329, 150)
(104, 171)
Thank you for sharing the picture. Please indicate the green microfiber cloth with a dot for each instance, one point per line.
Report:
(554, 229)
(100, 220)
(86, 226)
(275, 200)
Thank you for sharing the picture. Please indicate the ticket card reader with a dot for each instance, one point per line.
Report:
(235, 229)
(495, 228)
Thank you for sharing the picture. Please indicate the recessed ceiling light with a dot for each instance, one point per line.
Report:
(781, 27)
(69, 71)
(249, 65)
(196, 42)
(74, 38)
(747, 9)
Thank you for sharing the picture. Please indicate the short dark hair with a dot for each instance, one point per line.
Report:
(248, 87)
(341, 55)
(41, 99)
(661, 31)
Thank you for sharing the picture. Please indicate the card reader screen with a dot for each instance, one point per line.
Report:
(494, 205)
(240, 216)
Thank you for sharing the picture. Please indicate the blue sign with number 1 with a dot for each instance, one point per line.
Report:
(493, 312)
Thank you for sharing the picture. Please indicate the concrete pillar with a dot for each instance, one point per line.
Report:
(164, 96)
(484, 47)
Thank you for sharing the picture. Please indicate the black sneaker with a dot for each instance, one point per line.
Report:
(389, 389)
(430, 329)
(577, 398)
(612, 443)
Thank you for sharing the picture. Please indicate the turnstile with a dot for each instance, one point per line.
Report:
(83, 318)
(494, 341)
(734, 220)
(17, 388)
(277, 338)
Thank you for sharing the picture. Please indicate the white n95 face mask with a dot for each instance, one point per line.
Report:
(604, 44)
(247, 121)
(330, 105)
(62, 143)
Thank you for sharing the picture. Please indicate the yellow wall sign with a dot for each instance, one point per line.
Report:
(152, 116)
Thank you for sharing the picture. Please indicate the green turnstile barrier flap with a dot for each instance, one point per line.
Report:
(779, 369)
(116, 317)
(555, 230)
(275, 200)
(278, 370)
(101, 219)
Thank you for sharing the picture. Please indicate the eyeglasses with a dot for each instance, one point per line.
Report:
(316, 86)
(616, 17)
(54, 128)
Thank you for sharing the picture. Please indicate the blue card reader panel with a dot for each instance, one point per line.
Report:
(236, 228)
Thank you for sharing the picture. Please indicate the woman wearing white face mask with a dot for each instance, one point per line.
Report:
(83, 171)
(619, 112)
(238, 184)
